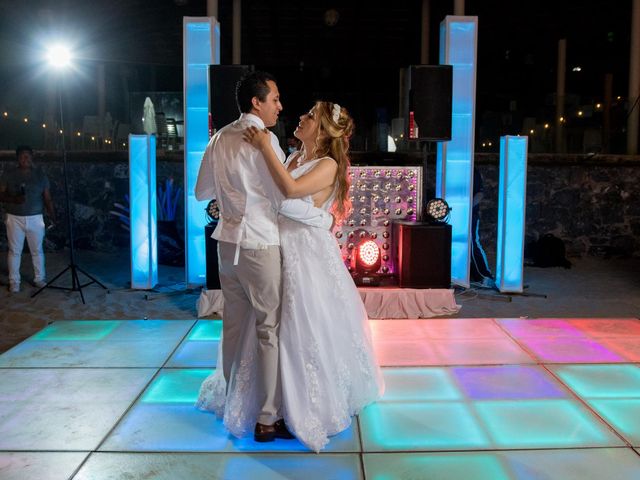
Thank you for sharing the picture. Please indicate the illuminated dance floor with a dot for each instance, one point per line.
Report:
(466, 399)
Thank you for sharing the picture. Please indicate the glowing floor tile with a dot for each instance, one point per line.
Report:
(195, 354)
(394, 330)
(588, 464)
(543, 424)
(176, 386)
(88, 330)
(507, 382)
(428, 466)
(405, 352)
(628, 348)
(206, 330)
(166, 419)
(128, 343)
(116, 466)
(479, 351)
(419, 384)
(601, 381)
(64, 409)
(462, 328)
(622, 414)
(608, 327)
(39, 465)
(570, 350)
(420, 426)
(537, 327)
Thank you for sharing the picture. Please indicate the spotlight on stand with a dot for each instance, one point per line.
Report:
(366, 260)
(437, 210)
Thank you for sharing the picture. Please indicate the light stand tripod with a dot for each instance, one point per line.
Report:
(75, 281)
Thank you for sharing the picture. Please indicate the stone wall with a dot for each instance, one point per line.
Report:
(591, 202)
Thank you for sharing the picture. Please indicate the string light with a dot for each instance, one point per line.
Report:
(60, 131)
(598, 105)
(580, 113)
(44, 125)
(531, 131)
(5, 114)
(26, 120)
(546, 125)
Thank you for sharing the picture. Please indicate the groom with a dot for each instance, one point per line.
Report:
(235, 173)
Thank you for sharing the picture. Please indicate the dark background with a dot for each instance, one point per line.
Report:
(354, 61)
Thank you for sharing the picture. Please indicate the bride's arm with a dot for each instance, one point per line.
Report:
(306, 213)
(319, 178)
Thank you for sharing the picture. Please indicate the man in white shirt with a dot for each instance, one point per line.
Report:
(236, 174)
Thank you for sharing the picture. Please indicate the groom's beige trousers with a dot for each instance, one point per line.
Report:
(252, 291)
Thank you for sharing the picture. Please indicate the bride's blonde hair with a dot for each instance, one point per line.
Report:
(333, 141)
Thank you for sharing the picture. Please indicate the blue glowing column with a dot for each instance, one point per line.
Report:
(454, 167)
(142, 211)
(512, 191)
(201, 43)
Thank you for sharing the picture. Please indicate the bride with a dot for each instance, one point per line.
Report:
(327, 364)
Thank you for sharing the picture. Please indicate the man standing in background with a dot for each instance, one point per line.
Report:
(25, 193)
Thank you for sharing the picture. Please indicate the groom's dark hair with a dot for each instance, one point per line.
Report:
(253, 84)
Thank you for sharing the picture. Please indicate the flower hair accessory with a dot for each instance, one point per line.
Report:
(335, 114)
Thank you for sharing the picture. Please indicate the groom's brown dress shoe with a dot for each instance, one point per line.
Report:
(268, 433)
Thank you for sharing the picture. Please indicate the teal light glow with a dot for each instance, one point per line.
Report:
(454, 166)
(206, 330)
(419, 384)
(543, 424)
(176, 386)
(201, 44)
(86, 330)
(386, 466)
(602, 381)
(512, 190)
(143, 211)
(420, 426)
(621, 414)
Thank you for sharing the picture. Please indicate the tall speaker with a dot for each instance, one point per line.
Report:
(428, 102)
(423, 254)
(222, 93)
(211, 254)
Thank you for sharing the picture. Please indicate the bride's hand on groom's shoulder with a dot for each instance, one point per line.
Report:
(260, 139)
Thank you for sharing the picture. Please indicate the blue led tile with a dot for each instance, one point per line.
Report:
(416, 384)
(622, 414)
(166, 419)
(176, 386)
(85, 330)
(507, 382)
(601, 381)
(428, 466)
(195, 354)
(206, 330)
(182, 466)
(543, 424)
(420, 426)
(39, 465)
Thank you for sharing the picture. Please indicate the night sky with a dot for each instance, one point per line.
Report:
(356, 60)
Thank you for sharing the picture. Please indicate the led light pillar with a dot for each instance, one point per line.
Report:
(143, 211)
(201, 45)
(454, 167)
(512, 191)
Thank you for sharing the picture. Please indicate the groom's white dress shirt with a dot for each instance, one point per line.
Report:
(236, 174)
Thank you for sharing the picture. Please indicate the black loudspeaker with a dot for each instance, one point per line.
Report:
(423, 254)
(428, 102)
(211, 255)
(222, 93)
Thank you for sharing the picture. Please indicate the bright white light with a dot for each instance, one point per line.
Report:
(59, 56)
(577, 69)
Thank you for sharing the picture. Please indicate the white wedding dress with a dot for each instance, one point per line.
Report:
(328, 368)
